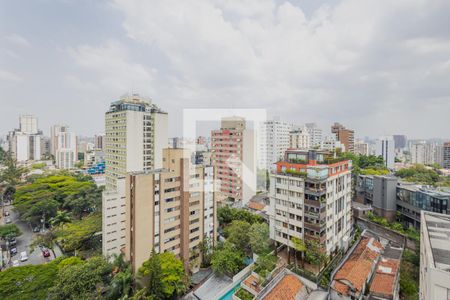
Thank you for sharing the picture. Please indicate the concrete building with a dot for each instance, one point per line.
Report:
(345, 136)
(273, 141)
(234, 159)
(446, 155)
(412, 199)
(170, 209)
(400, 141)
(434, 256)
(385, 148)
(64, 147)
(311, 200)
(135, 134)
(426, 153)
(25, 142)
(45, 146)
(378, 192)
(330, 143)
(299, 139)
(361, 148)
(315, 134)
(99, 141)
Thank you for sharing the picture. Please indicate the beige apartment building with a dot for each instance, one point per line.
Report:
(170, 209)
(135, 134)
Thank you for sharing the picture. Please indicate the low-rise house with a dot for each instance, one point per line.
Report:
(384, 285)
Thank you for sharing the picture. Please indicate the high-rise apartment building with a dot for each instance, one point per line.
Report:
(400, 141)
(434, 256)
(426, 153)
(99, 141)
(234, 159)
(299, 139)
(330, 143)
(54, 132)
(273, 141)
(25, 142)
(361, 148)
(136, 133)
(446, 155)
(170, 209)
(66, 151)
(345, 136)
(310, 199)
(315, 134)
(385, 148)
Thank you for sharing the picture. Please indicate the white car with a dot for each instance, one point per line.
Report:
(23, 256)
(15, 263)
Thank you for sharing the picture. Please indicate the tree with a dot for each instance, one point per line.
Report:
(227, 260)
(265, 264)
(82, 281)
(45, 239)
(9, 231)
(300, 246)
(259, 238)
(206, 251)
(60, 219)
(79, 235)
(315, 254)
(12, 173)
(163, 276)
(120, 286)
(238, 234)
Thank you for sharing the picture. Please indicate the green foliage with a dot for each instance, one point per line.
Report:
(29, 281)
(38, 166)
(70, 261)
(77, 235)
(296, 173)
(163, 276)
(238, 234)
(265, 264)
(396, 226)
(243, 294)
(82, 281)
(227, 260)
(11, 173)
(228, 214)
(314, 253)
(409, 276)
(366, 164)
(370, 171)
(43, 197)
(419, 174)
(206, 251)
(259, 238)
(9, 231)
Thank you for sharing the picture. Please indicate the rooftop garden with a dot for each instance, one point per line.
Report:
(424, 175)
(395, 226)
(243, 294)
(296, 173)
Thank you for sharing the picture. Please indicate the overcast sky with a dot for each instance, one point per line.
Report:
(379, 67)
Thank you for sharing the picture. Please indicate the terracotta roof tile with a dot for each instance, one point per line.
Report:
(384, 279)
(286, 289)
(256, 205)
(253, 283)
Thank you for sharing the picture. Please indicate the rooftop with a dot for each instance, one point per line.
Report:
(383, 283)
(287, 288)
(256, 205)
(438, 229)
(356, 270)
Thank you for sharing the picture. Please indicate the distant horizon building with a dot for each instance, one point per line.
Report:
(345, 136)
(315, 134)
(385, 148)
(361, 148)
(299, 139)
(446, 155)
(25, 142)
(400, 141)
(135, 134)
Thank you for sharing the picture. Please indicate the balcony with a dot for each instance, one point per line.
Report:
(315, 191)
(313, 226)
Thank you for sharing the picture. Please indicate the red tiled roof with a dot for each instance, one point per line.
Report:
(256, 205)
(249, 283)
(384, 279)
(286, 289)
(356, 270)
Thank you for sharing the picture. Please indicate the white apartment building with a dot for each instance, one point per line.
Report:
(273, 141)
(385, 147)
(315, 134)
(434, 256)
(361, 148)
(25, 142)
(136, 132)
(426, 153)
(311, 200)
(299, 139)
(330, 143)
(64, 147)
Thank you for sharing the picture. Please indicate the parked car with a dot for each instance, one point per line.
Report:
(23, 256)
(13, 251)
(15, 263)
(46, 253)
(12, 242)
(7, 221)
(6, 213)
(36, 229)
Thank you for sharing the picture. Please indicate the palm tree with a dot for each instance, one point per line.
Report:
(300, 246)
(61, 218)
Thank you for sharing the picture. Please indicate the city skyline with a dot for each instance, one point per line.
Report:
(372, 67)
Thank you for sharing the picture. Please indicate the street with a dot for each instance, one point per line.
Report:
(23, 243)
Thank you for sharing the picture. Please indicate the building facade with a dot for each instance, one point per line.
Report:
(64, 146)
(361, 148)
(234, 159)
(310, 199)
(135, 134)
(273, 141)
(25, 142)
(170, 209)
(299, 139)
(446, 155)
(345, 136)
(434, 256)
(385, 148)
(315, 134)
(400, 141)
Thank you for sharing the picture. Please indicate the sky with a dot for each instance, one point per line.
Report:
(379, 67)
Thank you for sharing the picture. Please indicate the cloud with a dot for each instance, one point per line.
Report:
(360, 62)
(9, 77)
(17, 39)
